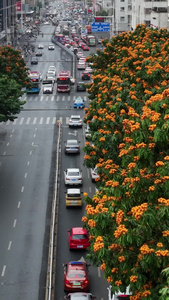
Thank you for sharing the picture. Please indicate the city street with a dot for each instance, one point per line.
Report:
(27, 157)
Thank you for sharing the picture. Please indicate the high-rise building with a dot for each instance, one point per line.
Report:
(7, 21)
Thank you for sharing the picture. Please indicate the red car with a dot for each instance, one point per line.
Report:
(76, 276)
(78, 238)
(85, 47)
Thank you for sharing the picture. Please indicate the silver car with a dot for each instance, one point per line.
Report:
(75, 121)
(79, 296)
(72, 146)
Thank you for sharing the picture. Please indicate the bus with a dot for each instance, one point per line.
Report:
(35, 79)
(63, 81)
(91, 40)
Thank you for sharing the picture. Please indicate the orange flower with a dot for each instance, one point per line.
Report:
(159, 163)
(133, 278)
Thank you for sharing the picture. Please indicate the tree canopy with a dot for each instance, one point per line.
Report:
(13, 78)
(128, 116)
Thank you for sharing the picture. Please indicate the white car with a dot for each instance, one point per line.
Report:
(81, 65)
(87, 132)
(40, 46)
(73, 176)
(94, 174)
(75, 121)
(53, 69)
(47, 86)
(89, 69)
(51, 47)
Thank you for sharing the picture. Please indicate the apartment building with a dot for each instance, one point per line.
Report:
(153, 13)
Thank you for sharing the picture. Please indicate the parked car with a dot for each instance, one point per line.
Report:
(75, 121)
(76, 277)
(73, 176)
(73, 197)
(94, 174)
(72, 146)
(87, 132)
(78, 238)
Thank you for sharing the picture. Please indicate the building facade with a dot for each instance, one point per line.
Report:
(7, 21)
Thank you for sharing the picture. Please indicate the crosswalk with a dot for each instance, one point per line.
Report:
(37, 121)
(50, 98)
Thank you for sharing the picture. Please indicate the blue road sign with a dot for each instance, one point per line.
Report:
(100, 27)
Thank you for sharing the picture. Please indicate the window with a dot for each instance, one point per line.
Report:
(122, 8)
(122, 19)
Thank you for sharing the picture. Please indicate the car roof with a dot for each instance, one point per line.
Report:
(75, 116)
(73, 170)
(79, 230)
(80, 296)
(73, 191)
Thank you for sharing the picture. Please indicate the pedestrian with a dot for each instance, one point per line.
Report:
(42, 34)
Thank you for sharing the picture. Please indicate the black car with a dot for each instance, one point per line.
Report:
(38, 53)
(86, 75)
(34, 60)
(81, 86)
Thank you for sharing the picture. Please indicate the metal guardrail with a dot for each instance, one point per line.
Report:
(53, 228)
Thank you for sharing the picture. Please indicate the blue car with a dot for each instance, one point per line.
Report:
(79, 103)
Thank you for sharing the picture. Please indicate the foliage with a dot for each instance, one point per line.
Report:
(13, 78)
(10, 105)
(128, 218)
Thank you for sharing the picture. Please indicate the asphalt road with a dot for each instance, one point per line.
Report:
(27, 153)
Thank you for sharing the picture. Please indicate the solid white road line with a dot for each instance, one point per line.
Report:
(99, 273)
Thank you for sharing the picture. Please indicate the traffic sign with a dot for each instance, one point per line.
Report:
(100, 27)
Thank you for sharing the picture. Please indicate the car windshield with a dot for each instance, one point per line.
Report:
(77, 273)
(71, 173)
(79, 100)
(79, 236)
(48, 85)
(73, 195)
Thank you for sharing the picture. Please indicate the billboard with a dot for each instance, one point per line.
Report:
(18, 6)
